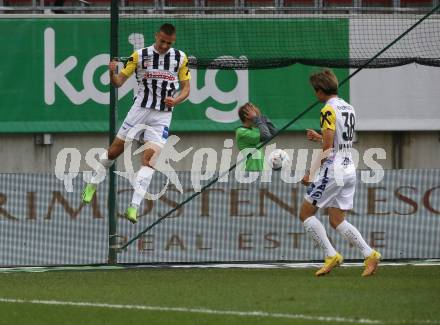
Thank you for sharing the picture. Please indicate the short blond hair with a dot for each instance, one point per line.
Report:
(326, 81)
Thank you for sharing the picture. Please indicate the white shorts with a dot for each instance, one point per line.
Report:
(146, 124)
(327, 192)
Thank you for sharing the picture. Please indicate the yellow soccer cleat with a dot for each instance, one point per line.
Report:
(88, 193)
(371, 263)
(329, 264)
(131, 214)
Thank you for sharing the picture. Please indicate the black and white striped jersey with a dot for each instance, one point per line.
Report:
(158, 75)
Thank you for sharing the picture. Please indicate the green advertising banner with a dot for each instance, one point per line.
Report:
(53, 78)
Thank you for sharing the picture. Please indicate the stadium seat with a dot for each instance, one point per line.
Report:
(179, 3)
(77, 3)
(259, 3)
(17, 3)
(377, 3)
(299, 3)
(220, 3)
(47, 3)
(137, 3)
(416, 3)
(97, 2)
(337, 3)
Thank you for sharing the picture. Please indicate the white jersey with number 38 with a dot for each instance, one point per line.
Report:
(339, 116)
(335, 184)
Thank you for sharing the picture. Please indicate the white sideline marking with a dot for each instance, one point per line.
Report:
(194, 310)
(216, 312)
(266, 265)
(299, 265)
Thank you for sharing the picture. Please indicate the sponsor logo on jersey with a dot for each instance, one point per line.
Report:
(165, 75)
(324, 118)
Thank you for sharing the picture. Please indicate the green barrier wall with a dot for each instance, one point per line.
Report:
(53, 78)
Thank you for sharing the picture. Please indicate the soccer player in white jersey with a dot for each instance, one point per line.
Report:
(334, 186)
(161, 71)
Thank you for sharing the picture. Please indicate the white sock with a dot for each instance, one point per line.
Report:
(141, 183)
(317, 231)
(349, 232)
(101, 168)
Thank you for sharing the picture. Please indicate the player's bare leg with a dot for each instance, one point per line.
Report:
(350, 232)
(105, 161)
(116, 148)
(317, 232)
(143, 179)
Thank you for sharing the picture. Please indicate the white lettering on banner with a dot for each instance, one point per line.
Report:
(228, 222)
(240, 94)
(56, 75)
(137, 40)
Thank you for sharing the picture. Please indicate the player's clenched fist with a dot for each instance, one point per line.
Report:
(170, 102)
(312, 135)
(112, 65)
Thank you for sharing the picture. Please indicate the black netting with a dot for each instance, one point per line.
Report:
(268, 37)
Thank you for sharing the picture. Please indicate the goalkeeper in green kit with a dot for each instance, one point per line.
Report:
(256, 128)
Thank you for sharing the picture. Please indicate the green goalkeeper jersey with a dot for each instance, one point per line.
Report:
(250, 138)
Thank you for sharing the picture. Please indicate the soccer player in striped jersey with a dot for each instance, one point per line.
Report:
(256, 128)
(163, 82)
(334, 187)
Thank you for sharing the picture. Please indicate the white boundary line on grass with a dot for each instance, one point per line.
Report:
(193, 310)
(210, 311)
(267, 265)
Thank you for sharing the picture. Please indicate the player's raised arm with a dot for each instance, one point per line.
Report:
(267, 129)
(119, 79)
(270, 126)
(184, 77)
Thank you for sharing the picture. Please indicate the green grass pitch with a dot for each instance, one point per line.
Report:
(396, 295)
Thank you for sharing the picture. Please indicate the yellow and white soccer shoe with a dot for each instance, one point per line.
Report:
(329, 264)
(371, 263)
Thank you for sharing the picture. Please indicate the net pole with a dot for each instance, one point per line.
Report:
(112, 221)
(296, 118)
